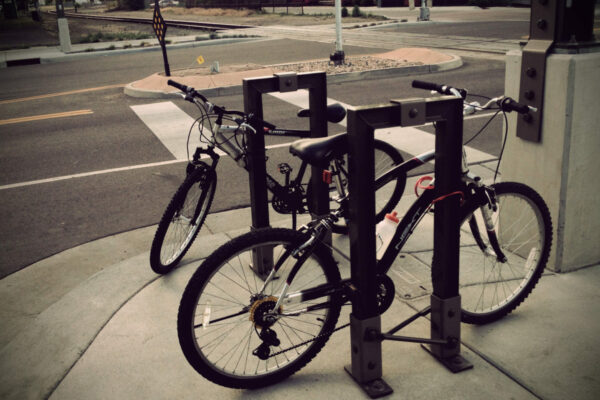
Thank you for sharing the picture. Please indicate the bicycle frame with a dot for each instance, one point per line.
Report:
(405, 228)
(290, 197)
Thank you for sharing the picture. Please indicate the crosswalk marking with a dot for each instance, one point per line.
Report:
(416, 141)
(408, 139)
(299, 98)
(170, 124)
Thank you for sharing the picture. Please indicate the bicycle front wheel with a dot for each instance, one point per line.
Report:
(219, 317)
(182, 219)
(386, 197)
(491, 284)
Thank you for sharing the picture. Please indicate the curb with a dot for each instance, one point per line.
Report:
(65, 57)
(455, 62)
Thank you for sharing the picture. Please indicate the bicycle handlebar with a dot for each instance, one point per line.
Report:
(506, 103)
(220, 111)
(188, 90)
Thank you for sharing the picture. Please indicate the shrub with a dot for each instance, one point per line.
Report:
(344, 12)
(131, 4)
(356, 11)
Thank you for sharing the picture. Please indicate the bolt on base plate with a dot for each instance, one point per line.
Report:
(455, 363)
(375, 389)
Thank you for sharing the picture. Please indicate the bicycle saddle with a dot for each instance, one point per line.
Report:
(320, 151)
(335, 112)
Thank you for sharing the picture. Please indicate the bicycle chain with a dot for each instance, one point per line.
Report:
(310, 340)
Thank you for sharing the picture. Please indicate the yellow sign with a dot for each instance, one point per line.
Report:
(200, 60)
(158, 23)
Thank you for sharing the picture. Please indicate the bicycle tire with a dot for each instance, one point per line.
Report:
(221, 350)
(491, 288)
(386, 197)
(182, 219)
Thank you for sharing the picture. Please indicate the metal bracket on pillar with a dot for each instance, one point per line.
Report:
(533, 67)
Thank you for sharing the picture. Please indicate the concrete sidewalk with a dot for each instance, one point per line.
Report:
(112, 333)
(94, 322)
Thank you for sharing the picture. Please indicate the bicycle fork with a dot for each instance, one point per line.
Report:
(487, 214)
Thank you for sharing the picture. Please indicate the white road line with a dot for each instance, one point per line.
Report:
(85, 174)
(171, 125)
(112, 170)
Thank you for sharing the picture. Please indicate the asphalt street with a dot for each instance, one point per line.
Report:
(43, 212)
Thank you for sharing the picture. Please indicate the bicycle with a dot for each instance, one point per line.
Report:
(190, 204)
(242, 332)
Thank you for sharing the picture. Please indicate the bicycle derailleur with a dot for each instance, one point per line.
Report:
(261, 314)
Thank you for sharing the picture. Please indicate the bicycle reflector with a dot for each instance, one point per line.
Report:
(327, 176)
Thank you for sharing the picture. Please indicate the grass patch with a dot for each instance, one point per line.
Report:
(19, 23)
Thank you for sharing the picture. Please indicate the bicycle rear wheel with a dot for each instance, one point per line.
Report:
(491, 287)
(218, 321)
(182, 219)
(386, 197)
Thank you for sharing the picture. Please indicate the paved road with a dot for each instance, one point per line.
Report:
(102, 133)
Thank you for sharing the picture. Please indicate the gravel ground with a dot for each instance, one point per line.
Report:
(351, 64)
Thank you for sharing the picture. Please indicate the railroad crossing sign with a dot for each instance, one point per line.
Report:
(158, 23)
(160, 28)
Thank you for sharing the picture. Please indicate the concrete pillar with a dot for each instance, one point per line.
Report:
(63, 35)
(563, 168)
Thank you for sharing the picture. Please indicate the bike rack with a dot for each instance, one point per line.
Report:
(254, 88)
(365, 321)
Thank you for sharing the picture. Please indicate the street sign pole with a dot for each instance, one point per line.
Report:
(63, 28)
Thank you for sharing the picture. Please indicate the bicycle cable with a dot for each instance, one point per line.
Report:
(503, 144)
(482, 128)
(480, 96)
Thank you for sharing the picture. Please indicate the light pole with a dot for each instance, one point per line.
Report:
(338, 56)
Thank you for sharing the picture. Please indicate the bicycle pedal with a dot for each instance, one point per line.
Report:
(284, 168)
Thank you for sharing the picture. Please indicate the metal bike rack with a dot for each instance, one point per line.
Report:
(365, 322)
(254, 88)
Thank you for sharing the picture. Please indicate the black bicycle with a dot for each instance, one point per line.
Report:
(188, 208)
(240, 331)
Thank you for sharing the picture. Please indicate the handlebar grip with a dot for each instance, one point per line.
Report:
(427, 85)
(188, 90)
(509, 104)
(441, 89)
(178, 85)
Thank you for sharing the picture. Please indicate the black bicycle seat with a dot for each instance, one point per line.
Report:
(335, 113)
(320, 151)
